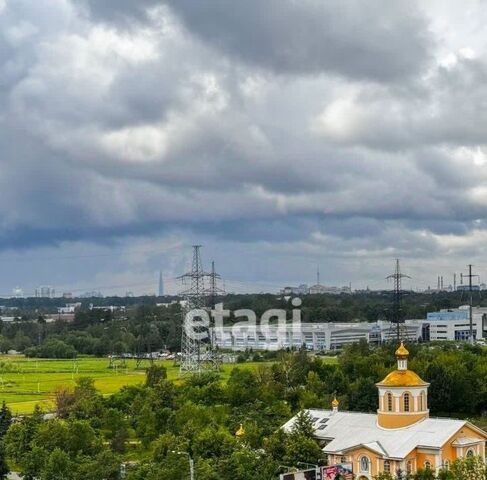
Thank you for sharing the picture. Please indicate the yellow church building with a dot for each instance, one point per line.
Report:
(401, 436)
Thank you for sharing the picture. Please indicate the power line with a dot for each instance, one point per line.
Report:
(193, 359)
(396, 317)
(470, 276)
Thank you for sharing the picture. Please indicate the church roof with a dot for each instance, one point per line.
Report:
(464, 441)
(403, 378)
(349, 430)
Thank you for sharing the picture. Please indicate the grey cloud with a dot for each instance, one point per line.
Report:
(445, 108)
(112, 133)
(380, 41)
(120, 12)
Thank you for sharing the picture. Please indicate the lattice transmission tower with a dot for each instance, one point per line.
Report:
(470, 276)
(213, 293)
(197, 349)
(398, 326)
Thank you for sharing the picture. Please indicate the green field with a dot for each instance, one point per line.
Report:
(25, 382)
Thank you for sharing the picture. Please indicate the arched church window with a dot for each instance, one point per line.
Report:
(389, 402)
(409, 467)
(427, 465)
(387, 466)
(446, 465)
(407, 402)
(364, 464)
(470, 452)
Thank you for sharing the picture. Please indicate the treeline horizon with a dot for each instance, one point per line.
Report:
(144, 327)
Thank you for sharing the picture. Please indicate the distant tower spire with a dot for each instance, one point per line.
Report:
(317, 275)
(161, 284)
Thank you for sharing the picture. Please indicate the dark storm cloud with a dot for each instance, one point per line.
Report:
(384, 41)
(324, 128)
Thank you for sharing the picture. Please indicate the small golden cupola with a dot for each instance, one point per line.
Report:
(240, 432)
(334, 404)
(403, 395)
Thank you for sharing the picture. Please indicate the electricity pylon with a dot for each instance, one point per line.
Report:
(397, 320)
(197, 350)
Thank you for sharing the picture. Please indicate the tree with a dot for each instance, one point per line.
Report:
(5, 344)
(81, 438)
(469, 468)
(154, 375)
(105, 465)
(5, 419)
(167, 443)
(58, 467)
(303, 424)
(146, 425)
(116, 429)
(19, 437)
(247, 464)
(242, 387)
(301, 448)
(33, 462)
(52, 348)
(88, 403)
(213, 442)
(426, 474)
(64, 400)
(4, 470)
(445, 474)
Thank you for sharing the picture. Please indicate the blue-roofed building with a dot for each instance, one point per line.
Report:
(454, 324)
(456, 314)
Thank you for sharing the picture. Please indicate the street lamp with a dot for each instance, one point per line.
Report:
(191, 462)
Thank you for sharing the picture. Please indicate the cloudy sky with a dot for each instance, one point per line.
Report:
(280, 134)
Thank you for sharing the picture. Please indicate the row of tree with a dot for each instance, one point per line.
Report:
(159, 424)
(143, 326)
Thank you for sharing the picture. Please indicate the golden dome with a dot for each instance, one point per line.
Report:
(403, 378)
(335, 403)
(240, 432)
(402, 351)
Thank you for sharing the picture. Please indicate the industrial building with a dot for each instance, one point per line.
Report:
(315, 336)
(444, 325)
(454, 324)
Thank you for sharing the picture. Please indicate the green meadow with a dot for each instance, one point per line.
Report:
(25, 382)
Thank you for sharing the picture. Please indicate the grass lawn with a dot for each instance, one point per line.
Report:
(24, 382)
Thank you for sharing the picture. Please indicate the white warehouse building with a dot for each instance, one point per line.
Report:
(444, 325)
(315, 336)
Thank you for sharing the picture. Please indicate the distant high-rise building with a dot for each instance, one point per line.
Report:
(45, 292)
(161, 285)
